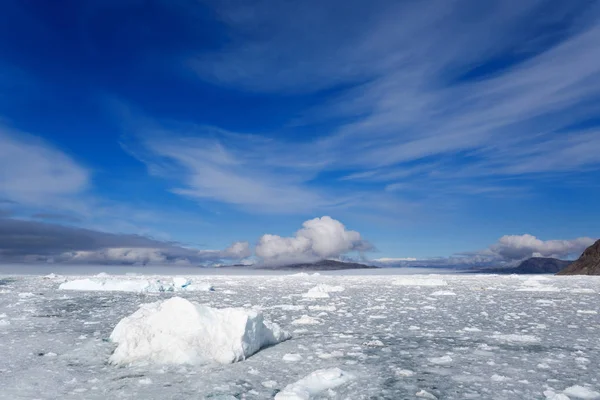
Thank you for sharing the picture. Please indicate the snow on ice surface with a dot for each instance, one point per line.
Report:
(490, 340)
(177, 331)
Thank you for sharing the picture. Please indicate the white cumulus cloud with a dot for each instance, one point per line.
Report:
(517, 247)
(509, 250)
(319, 238)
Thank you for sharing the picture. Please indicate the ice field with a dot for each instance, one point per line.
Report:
(352, 337)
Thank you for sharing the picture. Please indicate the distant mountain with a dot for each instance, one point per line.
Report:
(533, 265)
(587, 264)
(323, 265)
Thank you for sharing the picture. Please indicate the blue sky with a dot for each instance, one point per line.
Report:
(432, 128)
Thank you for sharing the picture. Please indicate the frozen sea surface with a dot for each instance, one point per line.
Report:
(381, 337)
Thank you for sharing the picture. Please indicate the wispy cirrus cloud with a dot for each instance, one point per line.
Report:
(34, 172)
(458, 92)
(248, 171)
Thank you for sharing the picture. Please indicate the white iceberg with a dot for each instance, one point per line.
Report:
(177, 331)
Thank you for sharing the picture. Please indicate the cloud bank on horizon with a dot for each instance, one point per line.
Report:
(38, 242)
(318, 239)
(507, 251)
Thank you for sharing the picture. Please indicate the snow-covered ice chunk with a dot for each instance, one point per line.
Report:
(535, 284)
(581, 392)
(551, 395)
(316, 295)
(315, 383)
(292, 357)
(177, 331)
(443, 293)
(327, 288)
(306, 320)
(425, 395)
(322, 308)
(404, 372)
(516, 338)
(176, 284)
(421, 281)
(374, 343)
(441, 360)
(322, 291)
(583, 291)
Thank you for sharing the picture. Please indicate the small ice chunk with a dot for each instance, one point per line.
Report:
(404, 372)
(291, 357)
(327, 288)
(581, 392)
(315, 383)
(443, 293)
(551, 395)
(516, 338)
(424, 281)
(374, 343)
(177, 331)
(441, 360)
(322, 291)
(306, 320)
(425, 395)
